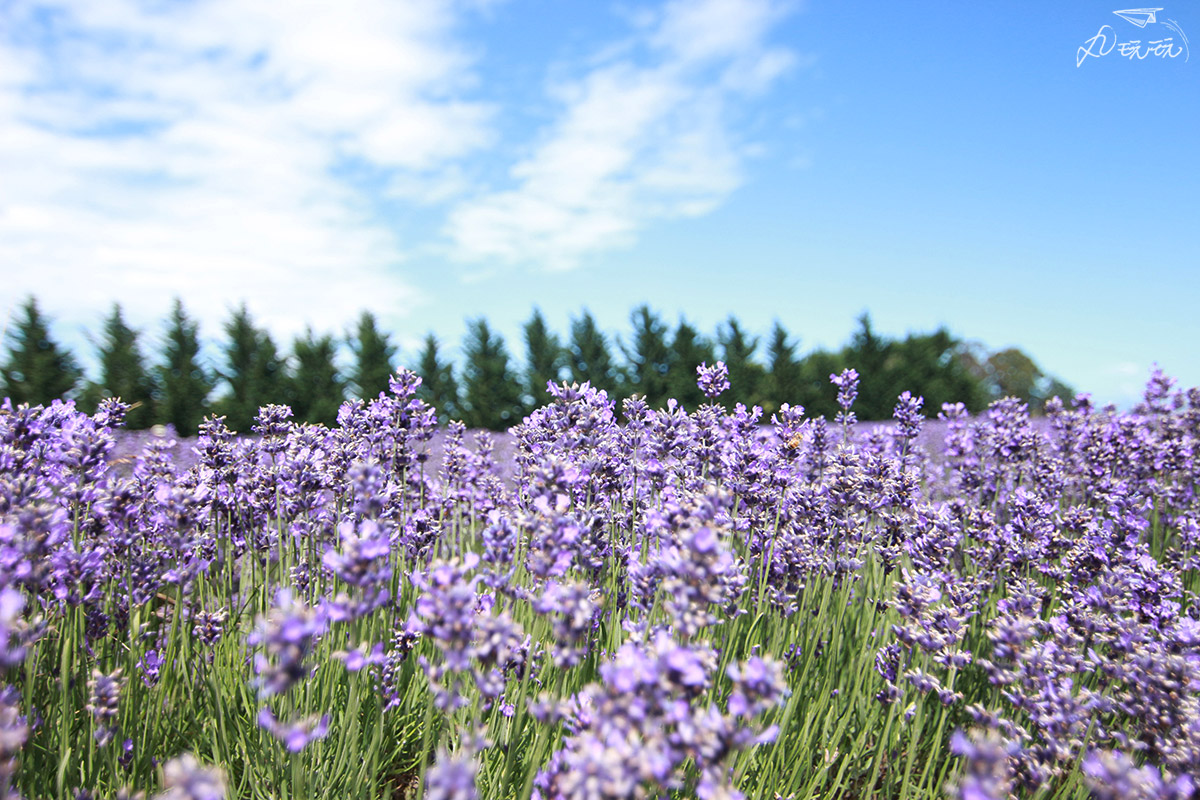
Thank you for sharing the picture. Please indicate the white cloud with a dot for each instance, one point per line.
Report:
(152, 150)
(638, 139)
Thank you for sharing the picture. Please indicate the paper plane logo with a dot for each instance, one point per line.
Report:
(1165, 42)
(1138, 16)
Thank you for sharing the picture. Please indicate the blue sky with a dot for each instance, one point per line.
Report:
(934, 164)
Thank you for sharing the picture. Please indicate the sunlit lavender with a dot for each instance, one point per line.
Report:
(605, 602)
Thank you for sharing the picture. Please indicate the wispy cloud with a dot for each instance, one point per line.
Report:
(647, 134)
(153, 149)
(213, 149)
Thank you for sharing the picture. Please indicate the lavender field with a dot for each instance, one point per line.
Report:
(606, 603)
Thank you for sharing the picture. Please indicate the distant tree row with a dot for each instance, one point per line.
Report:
(491, 390)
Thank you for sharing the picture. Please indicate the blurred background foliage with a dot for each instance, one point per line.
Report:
(491, 388)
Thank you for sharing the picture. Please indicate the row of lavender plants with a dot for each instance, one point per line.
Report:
(651, 604)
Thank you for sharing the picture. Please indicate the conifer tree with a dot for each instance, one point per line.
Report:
(819, 397)
(184, 382)
(254, 372)
(317, 390)
(868, 354)
(438, 385)
(688, 350)
(544, 359)
(648, 357)
(745, 374)
(928, 365)
(38, 370)
(492, 396)
(374, 358)
(783, 381)
(123, 374)
(589, 356)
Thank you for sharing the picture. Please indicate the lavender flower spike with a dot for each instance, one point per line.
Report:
(297, 735)
(712, 380)
(185, 779)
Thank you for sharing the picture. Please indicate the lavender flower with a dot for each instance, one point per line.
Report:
(295, 735)
(104, 694)
(452, 777)
(186, 779)
(287, 633)
(712, 380)
(1113, 776)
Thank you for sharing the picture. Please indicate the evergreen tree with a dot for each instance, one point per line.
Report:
(123, 374)
(589, 356)
(745, 374)
(492, 392)
(648, 357)
(373, 358)
(38, 370)
(818, 395)
(688, 350)
(928, 365)
(254, 371)
(317, 390)
(868, 354)
(544, 359)
(438, 386)
(783, 383)
(184, 383)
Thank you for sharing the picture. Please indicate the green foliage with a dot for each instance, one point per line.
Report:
(317, 390)
(930, 363)
(937, 366)
(869, 353)
(544, 361)
(374, 358)
(817, 397)
(588, 355)
(255, 374)
(184, 383)
(688, 350)
(438, 385)
(649, 357)
(746, 376)
(38, 370)
(123, 374)
(492, 397)
(784, 379)
(1011, 373)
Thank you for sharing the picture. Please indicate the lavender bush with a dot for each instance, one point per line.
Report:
(651, 603)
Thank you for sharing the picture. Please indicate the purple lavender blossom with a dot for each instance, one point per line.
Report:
(186, 779)
(572, 609)
(712, 380)
(104, 695)
(12, 645)
(295, 735)
(287, 634)
(1114, 776)
(847, 383)
(452, 777)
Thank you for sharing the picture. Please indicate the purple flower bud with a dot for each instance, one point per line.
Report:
(712, 380)
(185, 779)
(296, 735)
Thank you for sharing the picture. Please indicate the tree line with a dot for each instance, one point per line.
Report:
(492, 389)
